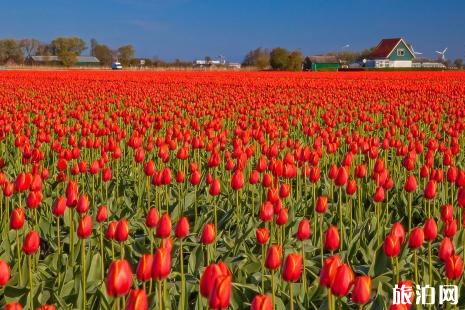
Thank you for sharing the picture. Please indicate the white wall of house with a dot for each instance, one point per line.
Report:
(400, 63)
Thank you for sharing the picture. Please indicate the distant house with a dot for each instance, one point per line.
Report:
(391, 53)
(321, 63)
(81, 61)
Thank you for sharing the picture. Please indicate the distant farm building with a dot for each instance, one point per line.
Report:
(391, 53)
(81, 61)
(321, 63)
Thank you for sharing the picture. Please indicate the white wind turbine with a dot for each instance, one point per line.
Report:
(415, 52)
(443, 57)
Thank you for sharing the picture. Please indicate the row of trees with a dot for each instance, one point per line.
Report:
(277, 59)
(66, 48)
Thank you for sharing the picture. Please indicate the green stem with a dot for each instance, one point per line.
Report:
(341, 228)
(291, 296)
(71, 237)
(409, 211)
(430, 264)
(18, 247)
(272, 288)
(59, 250)
(321, 239)
(304, 278)
(83, 271)
(101, 251)
(263, 269)
(415, 266)
(181, 254)
(397, 270)
(29, 264)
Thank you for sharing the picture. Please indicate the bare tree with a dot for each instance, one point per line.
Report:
(29, 46)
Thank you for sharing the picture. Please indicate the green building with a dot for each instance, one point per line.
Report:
(321, 63)
(391, 53)
(81, 61)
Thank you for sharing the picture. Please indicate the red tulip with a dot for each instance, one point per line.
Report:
(266, 211)
(207, 280)
(180, 177)
(391, 245)
(292, 268)
(195, 177)
(378, 196)
(161, 264)
(351, 187)
(446, 249)
(410, 184)
(361, 292)
(59, 206)
(450, 228)
(149, 168)
(182, 228)
(261, 302)
(5, 273)
(122, 230)
(85, 227)
(262, 234)
(303, 232)
(274, 257)
(328, 271)
(46, 307)
(71, 193)
(341, 177)
(82, 205)
(31, 242)
(137, 300)
(102, 214)
(430, 189)
(461, 197)
(321, 204)
(284, 190)
(208, 234)
(332, 241)
(164, 226)
(110, 233)
(13, 306)
(430, 229)
(17, 219)
(282, 217)
(343, 280)
(119, 278)
(33, 200)
(151, 220)
(454, 267)
(398, 230)
(215, 187)
(447, 212)
(220, 295)
(144, 268)
(416, 239)
(237, 180)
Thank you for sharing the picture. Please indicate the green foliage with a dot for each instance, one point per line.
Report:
(10, 51)
(259, 58)
(67, 49)
(125, 54)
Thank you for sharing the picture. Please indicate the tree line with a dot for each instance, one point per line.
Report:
(278, 58)
(66, 48)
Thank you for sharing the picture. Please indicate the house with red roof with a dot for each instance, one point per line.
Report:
(391, 53)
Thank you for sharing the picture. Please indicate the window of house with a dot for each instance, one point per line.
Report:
(400, 52)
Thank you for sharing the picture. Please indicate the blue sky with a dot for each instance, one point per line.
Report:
(189, 29)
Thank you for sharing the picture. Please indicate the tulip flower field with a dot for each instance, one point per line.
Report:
(231, 190)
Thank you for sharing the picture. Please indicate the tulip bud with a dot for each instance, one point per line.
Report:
(341, 177)
(321, 204)
(378, 196)
(144, 268)
(151, 220)
(282, 217)
(215, 187)
(416, 239)
(450, 228)
(85, 227)
(110, 233)
(292, 268)
(59, 206)
(398, 230)
(5, 273)
(430, 229)
(137, 300)
(82, 205)
(266, 211)
(237, 180)
(454, 267)
(262, 235)
(361, 292)
(351, 187)
(17, 219)
(430, 190)
(164, 226)
(343, 280)
(261, 302)
(209, 275)
(161, 267)
(208, 234)
(328, 271)
(303, 232)
(391, 245)
(13, 306)
(119, 278)
(446, 249)
(102, 214)
(31, 242)
(274, 257)
(122, 230)
(182, 228)
(410, 184)
(332, 240)
(220, 295)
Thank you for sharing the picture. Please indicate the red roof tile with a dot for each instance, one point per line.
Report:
(384, 48)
